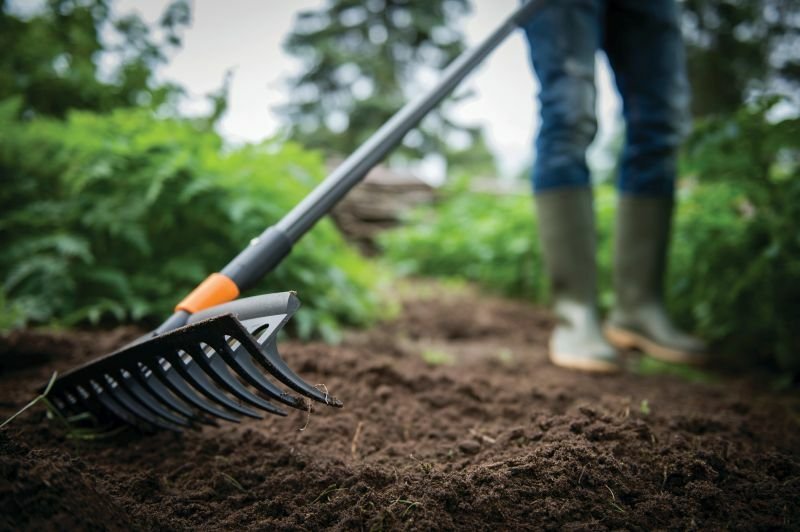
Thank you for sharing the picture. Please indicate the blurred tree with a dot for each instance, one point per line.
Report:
(741, 48)
(362, 62)
(55, 59)
(473, 160)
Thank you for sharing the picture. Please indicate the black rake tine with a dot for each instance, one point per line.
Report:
(193, 374)
(205, 420)
(146, 399)
(240, 360)
(198, 379)
(111, 404)
(66, 406)
(59, 403)
(274, 364)
(180, 388)
(68, 402)
(129, 404)
(196, 375)
(71, 403)
(160, 392)
(86, 402)
(217, 370)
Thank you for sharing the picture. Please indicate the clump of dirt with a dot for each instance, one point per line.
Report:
(492, 437)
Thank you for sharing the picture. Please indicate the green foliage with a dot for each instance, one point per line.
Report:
(736, 258)
(51, 60)
(486, 238)
(735, 264)
(476, 160)
(653, 366)
(739, 47)
(116, 217)
(477, 236)
(12, 316)
(437, 357)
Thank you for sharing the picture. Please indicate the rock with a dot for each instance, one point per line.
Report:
(469, 447)
(384, 391)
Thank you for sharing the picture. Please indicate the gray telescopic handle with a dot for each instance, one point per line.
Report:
(252, 307)
(328, 193)
(272, 246)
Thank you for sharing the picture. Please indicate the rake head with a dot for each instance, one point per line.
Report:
(195, 373)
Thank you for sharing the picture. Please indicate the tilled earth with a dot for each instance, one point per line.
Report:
(453, 419)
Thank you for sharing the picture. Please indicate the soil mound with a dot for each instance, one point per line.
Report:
(453, 419)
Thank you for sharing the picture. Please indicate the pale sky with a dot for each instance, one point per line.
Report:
(246, 36)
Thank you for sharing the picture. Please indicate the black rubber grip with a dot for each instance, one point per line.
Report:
(259, 258)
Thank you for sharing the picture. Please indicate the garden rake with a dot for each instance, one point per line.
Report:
(198, 364)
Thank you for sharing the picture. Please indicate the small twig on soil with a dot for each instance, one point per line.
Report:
(427, 467)
(73, 432)
(233, 482)
(483, 437)
(79, 433)
(581, 475)
(409, 505)
(91, 434)
(618, 507)
(83, 416)
(613, 500)
(308, 418)
(323, 388)
(354, 443)
(327, 491)
(38, 398)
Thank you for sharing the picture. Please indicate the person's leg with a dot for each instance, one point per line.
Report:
(563, 39)
(645, 50)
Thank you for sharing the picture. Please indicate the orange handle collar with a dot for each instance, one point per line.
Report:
(216, 289)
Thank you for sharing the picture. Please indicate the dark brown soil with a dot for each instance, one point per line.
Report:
(493, 438)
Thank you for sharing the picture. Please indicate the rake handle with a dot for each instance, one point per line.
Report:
(268, 250)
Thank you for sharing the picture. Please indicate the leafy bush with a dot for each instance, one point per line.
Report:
(487, 238)
(734, 272)
(116, 217)
(480, 237)
(736, 257)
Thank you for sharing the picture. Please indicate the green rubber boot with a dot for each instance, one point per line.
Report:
(568, 241)
(639, 319)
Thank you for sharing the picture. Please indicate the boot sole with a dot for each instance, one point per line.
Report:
(582, 364)
(626, 340)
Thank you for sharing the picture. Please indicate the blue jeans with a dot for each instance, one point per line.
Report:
(642, 40)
